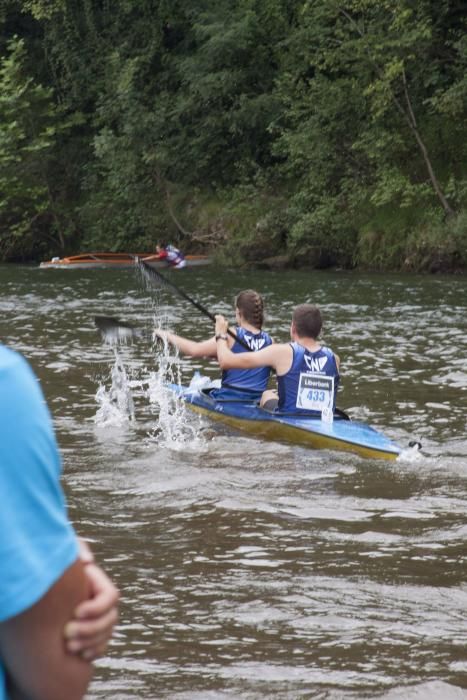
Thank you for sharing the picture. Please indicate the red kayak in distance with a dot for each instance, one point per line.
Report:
(89, 261)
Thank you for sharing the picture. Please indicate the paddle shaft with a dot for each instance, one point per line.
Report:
(151, 272)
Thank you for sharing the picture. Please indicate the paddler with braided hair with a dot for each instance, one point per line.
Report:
(249, 338)
(307, 372)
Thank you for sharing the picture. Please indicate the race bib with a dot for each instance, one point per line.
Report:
(315, 392)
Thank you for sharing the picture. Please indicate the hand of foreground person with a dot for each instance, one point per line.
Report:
(90, 630)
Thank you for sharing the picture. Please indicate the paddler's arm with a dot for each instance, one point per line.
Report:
(277, 356)
(204, 348)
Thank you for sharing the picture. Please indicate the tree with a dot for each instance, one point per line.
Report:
(363, 83)
(30, 127)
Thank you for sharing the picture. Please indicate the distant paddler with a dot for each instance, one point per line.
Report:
(172, 255)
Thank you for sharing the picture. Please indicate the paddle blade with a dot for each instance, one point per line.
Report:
(115, 331)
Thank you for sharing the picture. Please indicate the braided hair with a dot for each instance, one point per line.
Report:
(251, 305)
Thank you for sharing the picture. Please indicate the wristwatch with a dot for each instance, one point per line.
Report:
(222, 336)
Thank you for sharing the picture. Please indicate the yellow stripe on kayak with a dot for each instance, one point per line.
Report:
(287, 433)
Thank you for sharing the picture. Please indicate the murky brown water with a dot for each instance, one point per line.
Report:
(252, 569)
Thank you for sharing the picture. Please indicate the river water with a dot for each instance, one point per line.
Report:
(252, 569)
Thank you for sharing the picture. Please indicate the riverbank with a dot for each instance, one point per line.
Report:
(256, 230)
(259, 233)
(438, 264)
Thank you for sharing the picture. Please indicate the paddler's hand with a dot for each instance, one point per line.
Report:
(221, 324)
(160, 334)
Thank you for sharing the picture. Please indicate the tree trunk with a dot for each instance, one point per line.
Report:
(409, 117)
(163, 186)
(413, 125)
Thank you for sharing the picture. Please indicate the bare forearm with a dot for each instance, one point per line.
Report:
(32, 647)
(205, 348)
(225, 356)
(185, 345)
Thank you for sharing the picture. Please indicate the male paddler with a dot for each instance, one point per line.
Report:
(307, 372)
(172, 255)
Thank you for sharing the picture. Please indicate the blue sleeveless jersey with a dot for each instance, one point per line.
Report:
(311, 382)
(255, 379)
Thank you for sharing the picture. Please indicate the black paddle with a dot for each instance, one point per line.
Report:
(156, 279)
(115, 330)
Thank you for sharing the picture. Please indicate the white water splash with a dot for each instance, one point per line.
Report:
(115, 404)
(411, 453)
(177, 428)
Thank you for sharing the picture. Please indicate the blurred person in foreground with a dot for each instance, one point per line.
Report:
(57, 607)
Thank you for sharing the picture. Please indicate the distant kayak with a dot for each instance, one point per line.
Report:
(246, 415)
(88, 261)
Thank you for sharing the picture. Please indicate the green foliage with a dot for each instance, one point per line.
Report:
(30, 128)
(216, 111)
(43, 9)
(251, 226)
(333, 131)
(438, 246)
(380, 245)
(124, 194)
(362, 85)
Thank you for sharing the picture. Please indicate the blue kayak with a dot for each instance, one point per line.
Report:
(245, 414)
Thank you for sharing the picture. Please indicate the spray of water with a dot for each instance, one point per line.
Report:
(411, 454)
(115, 404)
(177, 428)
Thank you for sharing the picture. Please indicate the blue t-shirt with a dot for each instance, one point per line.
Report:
(37, 542)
